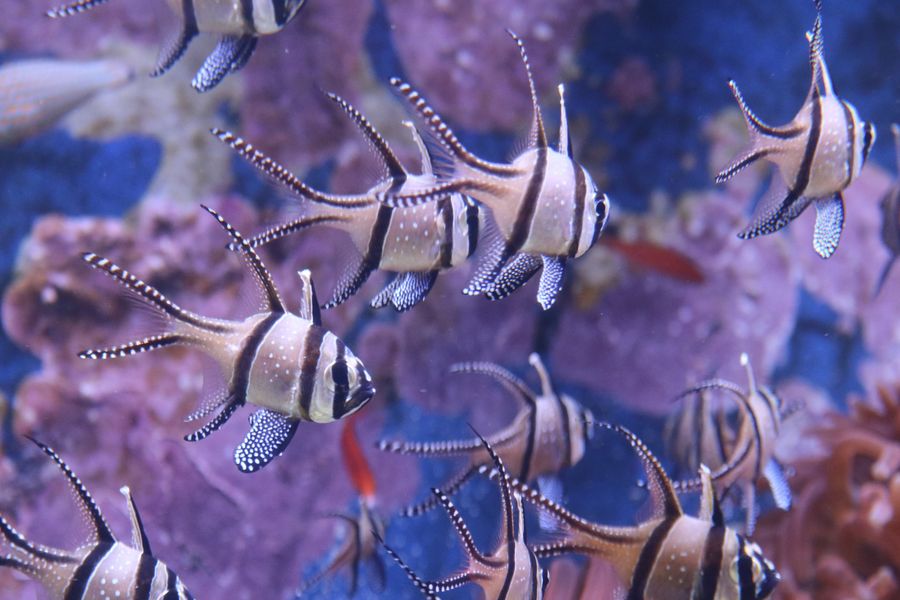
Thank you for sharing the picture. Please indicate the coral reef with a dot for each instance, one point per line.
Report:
(120, 423)
(842, 538)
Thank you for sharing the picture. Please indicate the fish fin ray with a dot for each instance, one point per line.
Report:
(154, 342)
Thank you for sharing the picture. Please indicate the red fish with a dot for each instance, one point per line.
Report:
(355, 462)
(660, 259)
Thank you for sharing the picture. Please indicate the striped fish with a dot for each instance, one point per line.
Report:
(360, 544)
(100, 569)
(549, 434)
(890, 217)
(238, 22)
(36, 93)
(415, 242)
(819, 154)
(700, 432)
(288, 365)
(750, 451)
(511, 572)
(671, 555)
(545, 204)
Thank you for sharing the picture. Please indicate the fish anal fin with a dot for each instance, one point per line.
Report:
(514, 274)
(353, 278)
(230, 55)
(490, 264)
(777, 209)
(412, 289)
(829, 225)
(743, 160)
(385, 295)
(270, 433)
(230, 406)
(139, 538)
(147, 344)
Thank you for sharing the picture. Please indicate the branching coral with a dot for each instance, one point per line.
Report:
(842, 538)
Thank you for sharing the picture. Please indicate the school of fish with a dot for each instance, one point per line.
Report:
(538, 212)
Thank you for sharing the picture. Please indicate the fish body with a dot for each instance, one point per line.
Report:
(890, 217)
(102, 567)
(549, 434)
(545, 204)
(415, 242)
(511, 572)
(35, 94)
(749, 452)
(239, 23)
(670, 556)
(819, 154)
(286, 364)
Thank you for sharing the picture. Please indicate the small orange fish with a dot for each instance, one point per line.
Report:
(35, 94)
(660, 259)
(355, 461)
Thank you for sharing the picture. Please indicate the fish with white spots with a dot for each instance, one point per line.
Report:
(416, 243)
(819, 154)
(287, 365)
(240, 23)
(545, 205)
(102, 567)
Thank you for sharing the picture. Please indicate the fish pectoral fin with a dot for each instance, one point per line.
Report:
(829, 225)
(270, 433)
(412, 289)
(230, 54)
(174, 50)
(516, 273)
(781, 490)
(551, 280)
(353, 278)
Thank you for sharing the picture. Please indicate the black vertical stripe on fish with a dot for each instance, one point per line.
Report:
(171, 587)
(647, 560)
(247, 15)
(78, 585)
(312, 349)
(812, 144)
(189, 15)
(711, 563)
(746, 584)
(580, 203)
(445, 209)
(868, 140)
(280, 8)
(144, 579)
(530, 439)
(566, 433)
(341, 380)
(375, 249)
(851, 142)
(535, 575)
(522, 226)
(510, 553)
(472, 226)
(247, 357)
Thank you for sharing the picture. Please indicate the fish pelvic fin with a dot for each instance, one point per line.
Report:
(73, 8)
(829, 225)
(230, 55)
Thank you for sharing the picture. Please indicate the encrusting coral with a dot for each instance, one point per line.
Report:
(842, 538)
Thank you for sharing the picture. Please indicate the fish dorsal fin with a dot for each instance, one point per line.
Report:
(751, 378)
(271, 299)
(820, 74)
(512, 383)
(565, 142)
(139, 538)
(101, 530)
(895, 129)
(309, 302)
(390, 161)
(460, 526)
(662, 492)
(427, 165)
(538, 136)
(282, 175)
(710, 509)
(546, 384)
(73, 8)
